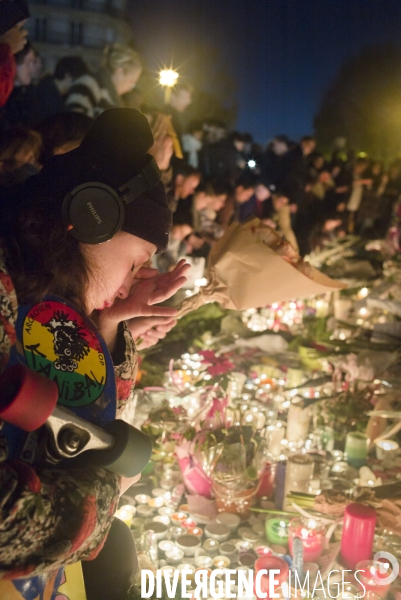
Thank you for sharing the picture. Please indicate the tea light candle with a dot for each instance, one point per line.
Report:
(356, 448)
(142, 499)
(385, 449)
(166, 545)
(277, 531)
(312, 535)
(188, 523)
(179, 517)
(183, 508)
(211, 547)
(196, 531)
(157, 492)
(263, 551)
(243, 546)
(166, 511)
(176, 531)
(203, 562)
(159, 529)
(217, 531)
(174, 556)
(126, 513)
(221, 562)
(144, 511)
(247, 559)
(156, 502)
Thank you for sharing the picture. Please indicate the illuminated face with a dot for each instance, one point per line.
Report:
(113, 266)
(187, 185)
(262, 192)
(243, 194)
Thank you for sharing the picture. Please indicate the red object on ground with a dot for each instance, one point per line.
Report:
(358, 533)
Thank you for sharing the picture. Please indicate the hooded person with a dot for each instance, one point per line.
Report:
(83, 229)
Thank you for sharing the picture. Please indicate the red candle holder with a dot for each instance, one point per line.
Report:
(312, 535)
(373, 578)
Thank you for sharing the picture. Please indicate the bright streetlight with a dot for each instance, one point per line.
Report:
(168, 79)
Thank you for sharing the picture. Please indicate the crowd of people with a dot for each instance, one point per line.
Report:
(213, 176)
(51, 140)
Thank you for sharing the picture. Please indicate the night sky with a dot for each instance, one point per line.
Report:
(282, 54)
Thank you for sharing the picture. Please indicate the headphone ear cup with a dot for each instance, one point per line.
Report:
(93, 212)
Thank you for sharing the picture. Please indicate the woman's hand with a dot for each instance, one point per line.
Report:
(149, 288)
(149, 330)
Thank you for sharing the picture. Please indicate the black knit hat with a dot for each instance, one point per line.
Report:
(11, 13)
(113, 152)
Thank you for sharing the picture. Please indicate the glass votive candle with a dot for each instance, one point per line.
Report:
(277, 531)
(174, 556)
(204, 562)
(371, 577)
(175, 531)
(356, 448)
(211, 547)
(221, 562)
(142, 498)
(312, 535)
(126, 513)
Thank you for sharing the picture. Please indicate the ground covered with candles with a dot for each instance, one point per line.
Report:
(276, 443)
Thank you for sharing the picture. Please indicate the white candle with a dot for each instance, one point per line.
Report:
(386, 449)
(221, 562)
(174, 556)
(297, 423)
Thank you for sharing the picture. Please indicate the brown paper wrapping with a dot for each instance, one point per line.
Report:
(246, 269)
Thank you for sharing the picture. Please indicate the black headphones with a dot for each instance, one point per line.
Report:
(94, 212)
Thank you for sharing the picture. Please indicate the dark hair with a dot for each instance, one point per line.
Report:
(186, 170)
(70, 65)
(61, 128)
(247, 181)
(41, 256)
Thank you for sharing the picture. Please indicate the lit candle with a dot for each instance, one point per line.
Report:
(277, 531)
(356, 448)
(263, 551)
(243, 546)
(298, 421)
(363, 293)
(203, 562)
(166, 545)
(196, 531)
(221, 562)
(126, 513)
(161, 519)
(166, 511)
(312, 535)
(179, 517)
(358, 534)
(142, 498)
(371, 576)
(385, 449)
(156, 502)
(188, 523)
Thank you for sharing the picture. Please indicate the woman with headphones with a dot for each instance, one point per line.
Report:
(84, 229)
